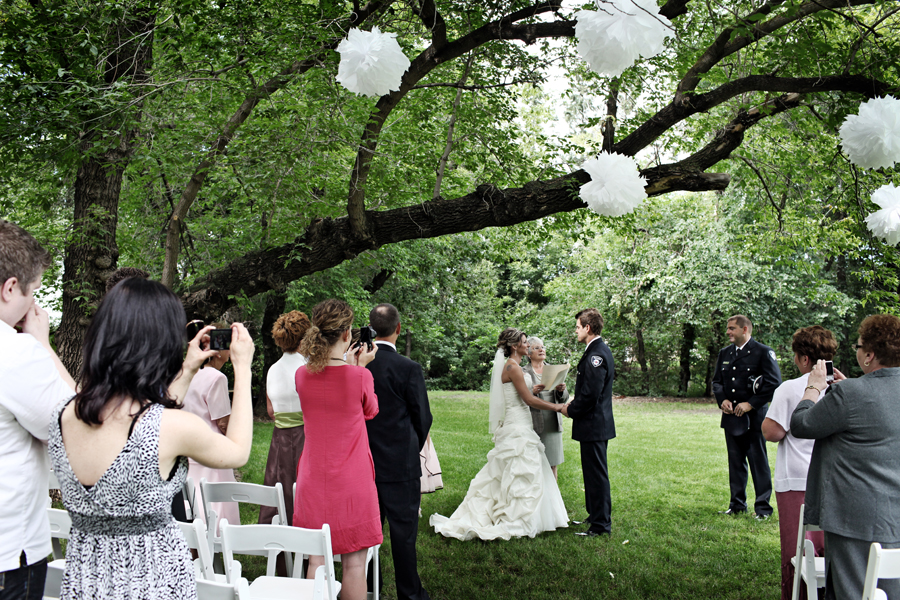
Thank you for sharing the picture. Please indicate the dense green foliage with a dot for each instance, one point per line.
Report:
(233, 138)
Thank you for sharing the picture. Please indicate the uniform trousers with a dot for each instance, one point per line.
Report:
(749, 447)
(597, 498)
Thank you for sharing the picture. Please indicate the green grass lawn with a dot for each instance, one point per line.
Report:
(669, 478)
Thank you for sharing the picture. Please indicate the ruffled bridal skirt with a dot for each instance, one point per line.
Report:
(514, 494)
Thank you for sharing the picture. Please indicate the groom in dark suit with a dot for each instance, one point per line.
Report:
(396, 436)
(591, 412)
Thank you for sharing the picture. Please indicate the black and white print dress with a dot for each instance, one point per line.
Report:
(124, 542)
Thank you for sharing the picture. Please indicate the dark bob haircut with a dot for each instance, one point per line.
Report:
(133, 349)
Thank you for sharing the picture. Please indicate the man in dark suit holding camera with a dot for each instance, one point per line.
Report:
(396, 436)
(591, 412)
(747, 375)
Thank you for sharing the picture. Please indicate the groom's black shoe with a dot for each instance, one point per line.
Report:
(592, 533)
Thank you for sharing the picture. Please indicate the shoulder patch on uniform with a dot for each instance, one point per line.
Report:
(596, 361)
(772, 354)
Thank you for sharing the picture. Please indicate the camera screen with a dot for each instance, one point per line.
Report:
(220, 339)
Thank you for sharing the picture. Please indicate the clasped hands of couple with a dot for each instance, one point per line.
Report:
(564, 408)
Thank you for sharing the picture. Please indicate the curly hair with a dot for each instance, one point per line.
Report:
(508, 339)
(814, 342)
(330, 319)
(881, 334)
(289, 330)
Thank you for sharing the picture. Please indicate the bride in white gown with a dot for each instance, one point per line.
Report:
(515, 493)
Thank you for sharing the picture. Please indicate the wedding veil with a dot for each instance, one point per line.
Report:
(497, 410)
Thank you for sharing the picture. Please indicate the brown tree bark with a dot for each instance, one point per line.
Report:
(275, 302)
(689, 335)
(91, 252)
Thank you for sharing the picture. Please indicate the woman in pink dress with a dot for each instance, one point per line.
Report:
(336, 475)
(207, 397)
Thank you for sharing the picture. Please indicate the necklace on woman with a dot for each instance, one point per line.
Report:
(340, 359)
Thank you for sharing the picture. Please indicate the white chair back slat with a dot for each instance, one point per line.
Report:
(883, 564)
(807, 566)
(248, 493)
(274, 539)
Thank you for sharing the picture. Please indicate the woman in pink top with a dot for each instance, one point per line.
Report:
(336, 475)
(207, 397)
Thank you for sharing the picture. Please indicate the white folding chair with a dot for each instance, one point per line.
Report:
(249, 493)
(273, 539)
(196, 538)
(217, 590)
(883, 564)
(807, 566)
(54, 481)
(190, 493)
(372, 560)
(60, 526)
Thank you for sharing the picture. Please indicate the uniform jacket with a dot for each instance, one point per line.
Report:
(537, 417)
(397, 433)
(734, 368)
(591, 406)
(853, 484)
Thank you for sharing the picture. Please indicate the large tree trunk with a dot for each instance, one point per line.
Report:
(689, 334)
(642, 360)
(92, 252)
(271, 353)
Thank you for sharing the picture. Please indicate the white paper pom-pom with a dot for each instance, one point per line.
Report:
(885, 223)
(872, 138)
(616, 187)
(372, 62)
(612, 38)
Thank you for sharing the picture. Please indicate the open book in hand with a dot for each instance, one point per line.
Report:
(554, 375)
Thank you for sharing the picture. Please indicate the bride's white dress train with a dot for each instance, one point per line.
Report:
(515, 493)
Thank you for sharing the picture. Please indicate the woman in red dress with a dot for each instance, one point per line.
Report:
(336, 475)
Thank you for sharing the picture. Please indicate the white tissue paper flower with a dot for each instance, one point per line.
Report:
(612, 38)
(872, 138)
(372, 62)
(616, 187)
(885, 223)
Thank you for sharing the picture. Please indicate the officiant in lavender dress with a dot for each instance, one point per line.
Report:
(547, 424)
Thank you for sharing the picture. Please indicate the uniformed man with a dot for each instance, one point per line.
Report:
(746, 376)
(593, 426)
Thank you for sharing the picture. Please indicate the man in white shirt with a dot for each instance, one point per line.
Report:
(32, 382)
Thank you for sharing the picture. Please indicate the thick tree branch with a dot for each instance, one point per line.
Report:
(329, 242)
(727, 43)
(433, 21)
(505, 28)
(276, 83)
(675, 111)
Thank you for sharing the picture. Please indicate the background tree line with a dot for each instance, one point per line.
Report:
(207, 142)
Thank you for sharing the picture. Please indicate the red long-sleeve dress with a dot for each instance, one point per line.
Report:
(336, 475)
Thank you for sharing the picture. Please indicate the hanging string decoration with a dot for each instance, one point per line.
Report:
(872, 138)
(616, 187)
(372, 63)
(885, 223)
(612, 38)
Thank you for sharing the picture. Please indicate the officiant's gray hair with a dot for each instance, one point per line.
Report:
(531, 341)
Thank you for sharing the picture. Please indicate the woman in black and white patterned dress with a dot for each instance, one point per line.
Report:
(119, 446)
